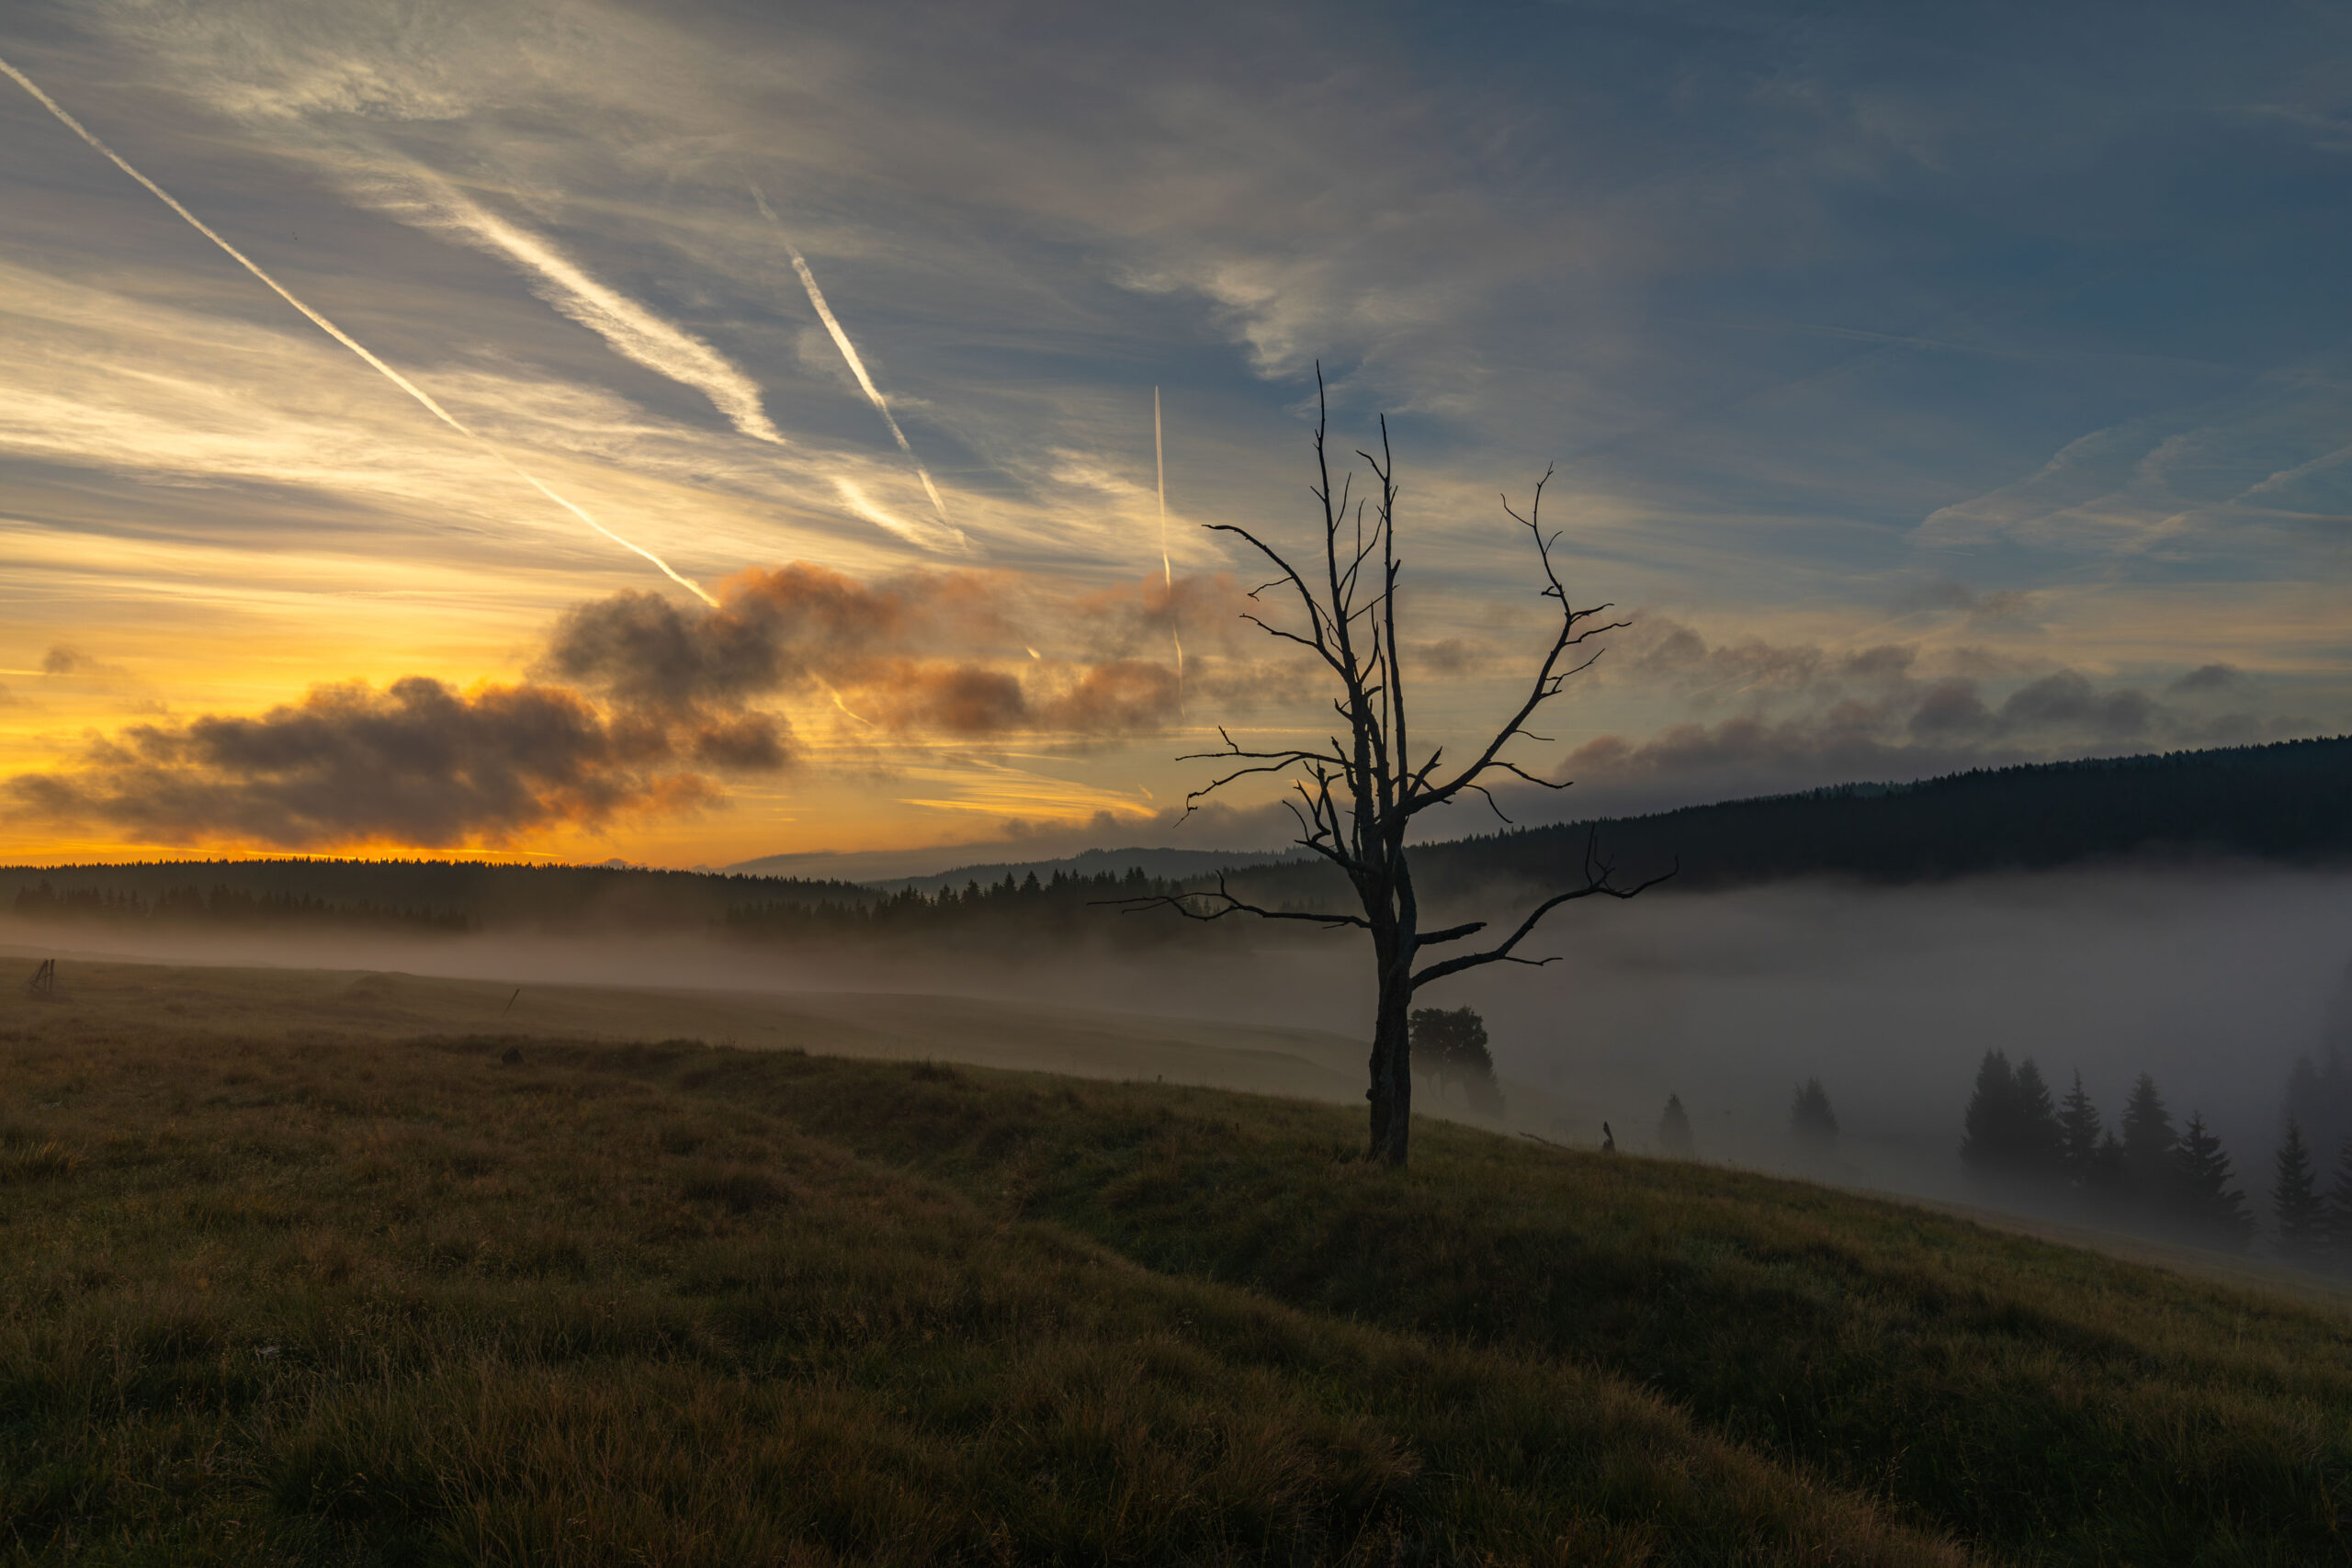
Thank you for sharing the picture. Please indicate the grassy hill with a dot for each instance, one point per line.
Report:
(311, 1297)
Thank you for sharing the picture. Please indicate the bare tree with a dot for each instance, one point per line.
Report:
(1358, 792)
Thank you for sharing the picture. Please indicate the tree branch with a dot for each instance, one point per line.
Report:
(1181, 903)
(1598, 874)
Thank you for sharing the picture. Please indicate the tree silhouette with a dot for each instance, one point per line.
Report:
(2208, 1201)
(2011, 1129)
(1674, 1135)
(2295, 1202)
(1361, 791)
(2148, 1143)
(1453, 1044)
(1985, 1128)
(1811, 1121)
(2078, 1136)
(2037, 1139)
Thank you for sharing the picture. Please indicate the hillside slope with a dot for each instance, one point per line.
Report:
(2290, 801)
(339, 1302)
(288, 1299)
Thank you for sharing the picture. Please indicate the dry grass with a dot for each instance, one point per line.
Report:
(344, 1301)
(2036, 1401)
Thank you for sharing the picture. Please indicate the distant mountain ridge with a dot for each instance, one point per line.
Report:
(2290, 801)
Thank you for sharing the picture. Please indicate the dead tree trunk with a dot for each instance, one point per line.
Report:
(1391, 1093)
(1363, 788)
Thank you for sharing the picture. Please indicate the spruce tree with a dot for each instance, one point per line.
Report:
(2213, 1208)
(1811, 1121)
(2148, 1143)
(2036, 1136)
(2078, 1136)
(2109, 1175)
(2295, 1202)
(1992, 1112)
(1674, 1130)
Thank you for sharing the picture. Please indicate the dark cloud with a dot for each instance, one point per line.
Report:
(417, 763)
(1951, 711)
(65, 660)
(1747, 754)
(1811, 715)
(2207, 678)
(1909, 732)
(952, 699)
(773, 631)
(1664, 651)
(944, 653)
(2068, 701)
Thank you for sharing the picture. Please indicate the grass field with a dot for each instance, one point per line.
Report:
(1307, 1063)
(328, 1298)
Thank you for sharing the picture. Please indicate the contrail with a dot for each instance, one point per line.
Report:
(857, 501)
(1167, 572)
(631, 330)
(849, 352)
(397, 379)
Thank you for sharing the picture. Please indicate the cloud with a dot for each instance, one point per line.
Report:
(415, 763)
(934, 653)
(2066, 701)
(1660, 650)
(633, 698)
(1913, 732)
(1446, 656)
(2207, 678)
(63, 660)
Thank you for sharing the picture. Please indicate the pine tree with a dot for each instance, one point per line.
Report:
(2294, 1200)
(2109, 1175)
(1984, 1138)
(2036, 1136)
(2078, 1136)
(2148, 1143)
(1674, 1130)
(2208, 1203)
(1811, 1121)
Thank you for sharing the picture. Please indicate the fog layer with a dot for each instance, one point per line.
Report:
(2213, 981)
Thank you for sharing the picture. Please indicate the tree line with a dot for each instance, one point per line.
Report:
(1024, 908)
(222, 904)
(457, 897)
(489, 895)
(2144, 1173)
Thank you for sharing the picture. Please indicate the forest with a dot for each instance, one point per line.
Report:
(2148, 1175)
(2289, 802)
(421, 895)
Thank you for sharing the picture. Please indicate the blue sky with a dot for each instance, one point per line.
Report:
(1937, 386)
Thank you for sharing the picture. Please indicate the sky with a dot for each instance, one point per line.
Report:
(1928, 388)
